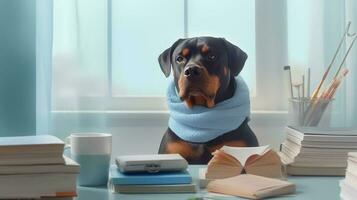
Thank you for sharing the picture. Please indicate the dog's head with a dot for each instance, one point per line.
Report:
(203, 68)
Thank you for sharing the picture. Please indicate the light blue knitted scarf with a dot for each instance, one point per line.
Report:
(201, 124)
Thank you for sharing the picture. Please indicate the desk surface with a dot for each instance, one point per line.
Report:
(306, 188)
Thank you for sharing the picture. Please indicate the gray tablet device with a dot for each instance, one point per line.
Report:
(151, 163)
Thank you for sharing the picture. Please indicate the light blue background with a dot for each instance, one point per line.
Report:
(17, 67)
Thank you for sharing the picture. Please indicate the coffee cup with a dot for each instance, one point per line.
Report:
(92, 151)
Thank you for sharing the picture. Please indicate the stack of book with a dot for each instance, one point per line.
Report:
(34, 167)
(349, 184)
(307, 152)
(179, 181)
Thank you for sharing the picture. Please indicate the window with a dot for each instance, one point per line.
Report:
(109, 48)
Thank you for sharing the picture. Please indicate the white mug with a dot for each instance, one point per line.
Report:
(92, 151)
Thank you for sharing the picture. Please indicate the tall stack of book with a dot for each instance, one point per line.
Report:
(317, 152)
(34, 167)
(349, 184)
(136, 177)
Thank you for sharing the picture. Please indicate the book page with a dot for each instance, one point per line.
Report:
(268, 165)
(243, 153)
(223, 165)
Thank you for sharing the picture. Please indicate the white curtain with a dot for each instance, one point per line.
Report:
(314, 30)
(71, 65)
(351, 86)
(79, 58)
(43, 66)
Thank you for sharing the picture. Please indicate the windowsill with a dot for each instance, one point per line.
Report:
(149, 111)
(115, 118)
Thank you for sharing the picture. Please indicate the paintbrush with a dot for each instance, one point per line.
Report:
(316, 91)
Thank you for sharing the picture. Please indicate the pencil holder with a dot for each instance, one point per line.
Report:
(306, 112)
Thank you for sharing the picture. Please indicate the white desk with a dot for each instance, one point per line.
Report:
(307, 188)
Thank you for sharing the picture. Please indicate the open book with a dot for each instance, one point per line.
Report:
(232, 161)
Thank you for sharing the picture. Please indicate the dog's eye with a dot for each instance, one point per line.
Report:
(180, 59)
(211, 57)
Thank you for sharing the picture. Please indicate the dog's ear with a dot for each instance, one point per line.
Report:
(165, 58)
(236, 58)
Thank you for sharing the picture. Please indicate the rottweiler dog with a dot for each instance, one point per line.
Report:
(204, 69)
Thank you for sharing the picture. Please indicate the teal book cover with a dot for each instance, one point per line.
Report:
(118, 178)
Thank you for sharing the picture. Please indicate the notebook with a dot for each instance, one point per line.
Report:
(118, 178)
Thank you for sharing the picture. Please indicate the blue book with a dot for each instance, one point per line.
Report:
(162, 178)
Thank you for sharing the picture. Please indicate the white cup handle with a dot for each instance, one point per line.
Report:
(67, 146)
(67, 142)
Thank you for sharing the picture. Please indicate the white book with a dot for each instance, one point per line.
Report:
(313, 153)
(351, 180)
(347, 191)
(335, 135)
(31, 150)
(352, 166)
(353, 156)
(26, 144)
(69, 167)
(37, 185)
(292, 169)
(313, 161)
(32, 160)
(331, 144)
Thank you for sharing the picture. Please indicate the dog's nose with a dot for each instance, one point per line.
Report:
(192, 72)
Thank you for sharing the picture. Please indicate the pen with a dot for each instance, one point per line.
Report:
(287, 68)
(303, 86)
(308, 83)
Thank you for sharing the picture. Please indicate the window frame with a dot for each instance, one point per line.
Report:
(124, 103)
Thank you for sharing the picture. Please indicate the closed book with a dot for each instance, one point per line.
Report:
(118, 178)
(69, 167)
(152, 189)
(313, 159)
(348, 192)
(351, 179)
(315, 171)
(317, 152)
(31, 150)
(332, 138)
(310, 169)
(33, 160)
(251, 186)
(313, 134)
(35, 186)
